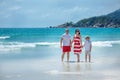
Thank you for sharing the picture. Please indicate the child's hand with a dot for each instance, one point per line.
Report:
(82, 46)
(60, 46)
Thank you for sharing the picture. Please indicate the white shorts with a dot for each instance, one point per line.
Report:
(87, 52)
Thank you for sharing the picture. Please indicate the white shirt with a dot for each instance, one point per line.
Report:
(66, 39)
(87, 45)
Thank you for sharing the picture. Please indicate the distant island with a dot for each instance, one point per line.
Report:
(108, 21)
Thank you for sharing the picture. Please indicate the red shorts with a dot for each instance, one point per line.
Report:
(66, 48)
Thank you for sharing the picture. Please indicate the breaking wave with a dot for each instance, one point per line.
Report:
(4, 37)
(11, 46)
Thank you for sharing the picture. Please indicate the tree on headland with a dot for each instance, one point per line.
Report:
(109, 20)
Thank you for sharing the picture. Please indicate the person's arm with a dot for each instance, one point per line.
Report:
(84, 44)
(81, 41)
(61, 42)
(72, 40)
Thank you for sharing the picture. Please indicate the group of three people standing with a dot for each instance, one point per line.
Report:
(66, 44)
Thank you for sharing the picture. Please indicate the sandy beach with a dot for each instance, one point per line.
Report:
(56, 70)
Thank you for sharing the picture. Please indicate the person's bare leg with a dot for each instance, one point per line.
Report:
(68, 56)
(85, 57)
(62, 57)
(78, 58)
(89, 58)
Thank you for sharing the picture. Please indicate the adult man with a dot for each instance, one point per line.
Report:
(65, 44)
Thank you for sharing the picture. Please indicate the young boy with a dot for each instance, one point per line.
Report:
(65, 44)
(88, 47)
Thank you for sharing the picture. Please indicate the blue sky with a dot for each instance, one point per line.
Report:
(45, 13)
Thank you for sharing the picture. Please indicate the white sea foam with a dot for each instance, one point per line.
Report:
(58, 72)
(4, 37)
(105, 43)
(11, 46)
(12, 76)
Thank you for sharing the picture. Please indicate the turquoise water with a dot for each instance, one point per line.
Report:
(30, 43)
(35, 54)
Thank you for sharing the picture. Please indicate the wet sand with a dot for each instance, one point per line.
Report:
(56, 70)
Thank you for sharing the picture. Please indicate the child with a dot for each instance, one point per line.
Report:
(77, 44)
(65, 44)
(88, 47)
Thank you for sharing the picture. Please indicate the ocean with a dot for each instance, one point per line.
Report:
(25, 51)
(21, 43)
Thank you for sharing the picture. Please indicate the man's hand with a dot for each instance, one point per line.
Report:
(70, 45)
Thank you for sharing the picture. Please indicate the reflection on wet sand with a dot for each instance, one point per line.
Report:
(66, 66)
(88, 66)
(76, 67)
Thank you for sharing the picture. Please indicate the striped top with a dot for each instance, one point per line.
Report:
(77, 45)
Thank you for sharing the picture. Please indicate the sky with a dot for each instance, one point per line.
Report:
(45, 13)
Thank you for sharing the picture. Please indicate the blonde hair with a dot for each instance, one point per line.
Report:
(87, 37)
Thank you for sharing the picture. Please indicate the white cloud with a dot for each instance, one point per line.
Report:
(75, 9)
(14, 8)
(53, 12)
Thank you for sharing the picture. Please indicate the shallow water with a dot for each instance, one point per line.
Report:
(34, 54)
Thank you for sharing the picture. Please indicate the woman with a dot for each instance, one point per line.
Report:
(77, 44)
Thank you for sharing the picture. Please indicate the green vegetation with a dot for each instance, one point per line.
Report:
(110, 20)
